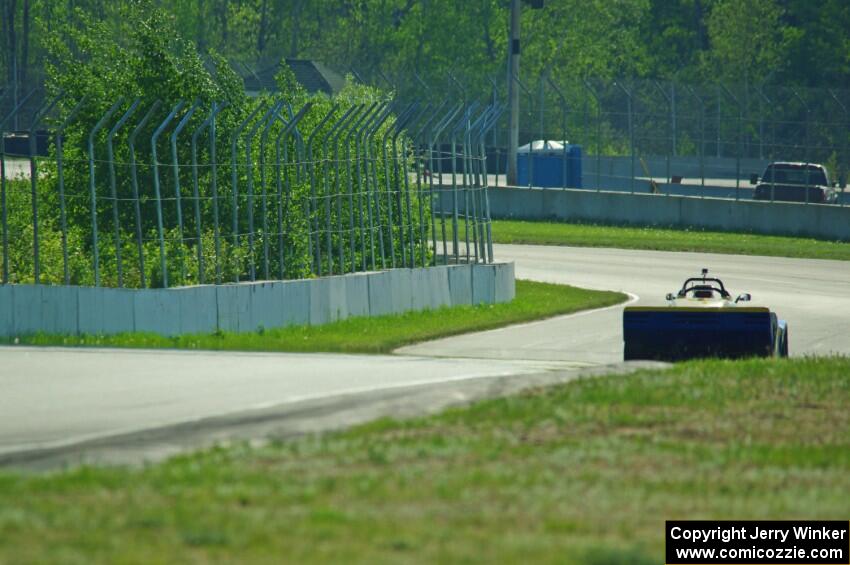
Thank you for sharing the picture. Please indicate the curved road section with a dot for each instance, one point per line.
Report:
(67, 405)
(812, 295)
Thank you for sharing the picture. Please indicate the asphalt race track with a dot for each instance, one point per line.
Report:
(56, 399)
(813, 296)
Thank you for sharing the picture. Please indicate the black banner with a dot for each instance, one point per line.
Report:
(760, 542)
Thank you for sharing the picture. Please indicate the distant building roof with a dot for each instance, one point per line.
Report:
(313, 75)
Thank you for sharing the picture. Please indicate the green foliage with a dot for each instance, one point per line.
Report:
(265, 214)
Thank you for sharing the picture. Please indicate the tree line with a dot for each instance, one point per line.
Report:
(790, 42)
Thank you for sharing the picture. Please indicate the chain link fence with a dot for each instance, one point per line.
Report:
(145, 193)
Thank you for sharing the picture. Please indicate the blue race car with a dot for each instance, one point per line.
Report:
(702, 320)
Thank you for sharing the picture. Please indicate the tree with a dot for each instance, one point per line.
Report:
(748, 40)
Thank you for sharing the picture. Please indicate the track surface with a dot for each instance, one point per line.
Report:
(59, 397)
(813, 296)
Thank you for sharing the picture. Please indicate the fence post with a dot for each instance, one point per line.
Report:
(391, 177)
(344, 129)
(701, 102)
(806, 152)
(842, 176)
(196, 192)
(234, 172)
(435, 137)
(563, 100)
(631, 132)
(249, 172)
(3, 209)
(353, 132)
(491, 123)
(672, 130)
(460, 126)
(162, 258)
(592, 92)
(412, 120)
(283, 209)
(738, 151)
(363, 182)
(134, 180)
(269, 122)
(373, 193)
(530, 96)
(181, 125)
(40, 114)
(312, 221)
(60, 181)
(92, 187)
(418, 139)
(113, 191)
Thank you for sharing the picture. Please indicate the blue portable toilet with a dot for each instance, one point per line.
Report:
(552, 164)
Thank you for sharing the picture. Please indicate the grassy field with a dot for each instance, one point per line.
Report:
(534, 300)
(581, 473)
(586, 235)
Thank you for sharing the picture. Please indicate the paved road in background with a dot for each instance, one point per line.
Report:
(54, 400)
(812, 295)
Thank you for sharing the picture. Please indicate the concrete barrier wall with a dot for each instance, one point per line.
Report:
(617, 171)
(778, 218)
(245, 307)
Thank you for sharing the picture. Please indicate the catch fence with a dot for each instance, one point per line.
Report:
(148, 193)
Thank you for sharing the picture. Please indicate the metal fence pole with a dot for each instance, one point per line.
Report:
(412, 121)
(592, 92)
(234, 172)
(134, 181)
(60, 181)
(344, 130)
(670, 110)
(249, 172)
(563, 100)
(842, 174)
(93, 188)
(373, 190)
(702, 106)
(312, 220)
(491, 123)
(181, 125)
(330, 137)
(435, 138)
(40, 114)
(631, 133)
(364, 118)
(208, 123)
(738, 151)
(395, 131)
(113, 190)
(163, 264)
(270, 121)
(418, 139)
(283, 205)
(363, 183)
(3, 208)
(762, 98)
(807, 156)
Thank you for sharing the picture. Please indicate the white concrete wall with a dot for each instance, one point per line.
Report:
(244, 307)
(829, 222)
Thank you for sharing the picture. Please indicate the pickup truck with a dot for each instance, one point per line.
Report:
(795, 182)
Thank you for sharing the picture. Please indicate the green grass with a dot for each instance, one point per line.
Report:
(534, 300)
(586, 472)
(666, 239)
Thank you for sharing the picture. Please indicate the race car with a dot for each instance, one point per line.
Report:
(702, 320)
